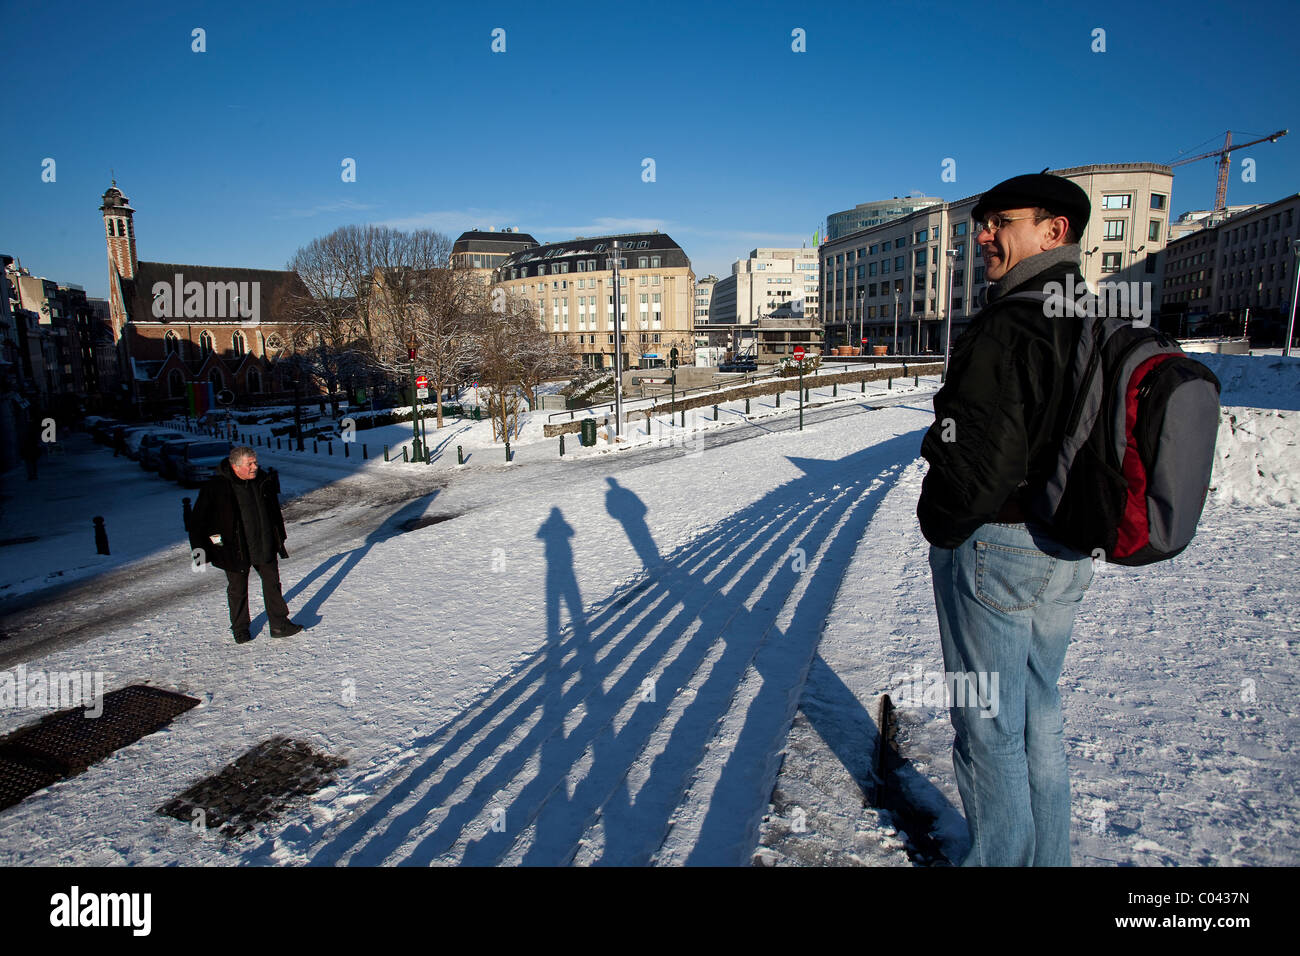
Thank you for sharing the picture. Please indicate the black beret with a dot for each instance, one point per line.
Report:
(1057, 195)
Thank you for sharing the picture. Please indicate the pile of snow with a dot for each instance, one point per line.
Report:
(1257, 381)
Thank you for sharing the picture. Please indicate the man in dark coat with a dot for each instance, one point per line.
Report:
(237, 525)
(1005, 592)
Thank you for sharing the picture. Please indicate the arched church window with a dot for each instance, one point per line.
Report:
(205, 343)
(173, 343)
(111, 233)
(237, 343)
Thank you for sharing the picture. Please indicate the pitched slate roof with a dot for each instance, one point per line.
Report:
(274, 284)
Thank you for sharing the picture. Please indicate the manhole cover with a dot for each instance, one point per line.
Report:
(67, 742)
(256, 787)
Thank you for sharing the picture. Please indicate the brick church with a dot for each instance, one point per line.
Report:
(180, 326)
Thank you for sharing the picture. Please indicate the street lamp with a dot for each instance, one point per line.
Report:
(1295, 267)
(618, 348)
(862, 294)
(947, 335)
(895, 320)
(417, 451)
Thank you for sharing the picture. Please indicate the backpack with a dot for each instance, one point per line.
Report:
(1134, 468)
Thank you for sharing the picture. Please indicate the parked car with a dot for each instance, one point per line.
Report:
(99, 431)
(199, 461)
(170, 454)
(739, 365)
(135, 440)
(328, 434)
(151, 444)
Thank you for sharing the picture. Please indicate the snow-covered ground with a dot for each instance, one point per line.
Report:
(606, 658)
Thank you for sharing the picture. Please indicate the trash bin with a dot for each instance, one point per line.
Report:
(588, 438)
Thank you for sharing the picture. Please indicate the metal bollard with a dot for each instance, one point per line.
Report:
(507, 451)
(385, 453)
(315, 449)
(345, 450)
(186, 512)
(890, 380)
(715, 413)
(864, 386)
(364, 455)
(101, 536)
(561, 446)
(329, 448)
(404, 453)
(916, 380)
(460, 455)
(835, 389)
(746, 406)
(683, 418)
(778, 399)
(277, 442)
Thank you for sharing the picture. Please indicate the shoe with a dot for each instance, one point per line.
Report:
(243, 637)
(290, 629)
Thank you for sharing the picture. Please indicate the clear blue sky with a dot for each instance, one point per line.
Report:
(232, 157)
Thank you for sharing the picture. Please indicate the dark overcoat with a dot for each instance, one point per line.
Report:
(217, 512)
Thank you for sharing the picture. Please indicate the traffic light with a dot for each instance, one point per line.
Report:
(674, 357)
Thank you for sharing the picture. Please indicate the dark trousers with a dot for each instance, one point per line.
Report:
(237, 594)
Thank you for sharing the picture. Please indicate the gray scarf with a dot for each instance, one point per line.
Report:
(1026, 269)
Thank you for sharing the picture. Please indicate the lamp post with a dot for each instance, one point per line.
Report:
(618, 348)
(947, 335)
(862, 294)
(1295, 267)
(895, 320)
(417, 451)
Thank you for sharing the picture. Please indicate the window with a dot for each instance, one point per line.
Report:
(884, 266)
(873, 251)
(172, 342)
(960, 249)
(1111, 261)
(643, 262)
(871, 290)
(541, 270)
(1151, 264)
(205, 344)
(934, 233)
(959, 229)
(871, 270)
(110, 227)
(898, 263)
(1157, 201)
(654, 262)
(1153, 231)
(920, 236)
(237, 343)
(1115, 202)
(1114, 228)
(919, 257)
(850, 255)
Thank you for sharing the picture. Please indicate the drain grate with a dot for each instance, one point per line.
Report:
(67, 742)
(256, 787)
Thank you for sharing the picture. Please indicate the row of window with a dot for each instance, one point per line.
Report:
(1279, 220)
(588, 265)
(123, 229)
(238, 343)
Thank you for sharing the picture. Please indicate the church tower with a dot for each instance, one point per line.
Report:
(119, 230)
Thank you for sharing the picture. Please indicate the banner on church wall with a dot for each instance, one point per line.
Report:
(200, 398)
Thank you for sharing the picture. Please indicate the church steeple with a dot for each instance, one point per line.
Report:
(119, 229)
(119, 232)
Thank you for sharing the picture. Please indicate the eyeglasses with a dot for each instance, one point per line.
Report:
(995, 222)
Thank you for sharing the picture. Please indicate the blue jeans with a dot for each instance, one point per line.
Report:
(1006, 600)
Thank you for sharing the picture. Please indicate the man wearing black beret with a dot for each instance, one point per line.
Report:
(1006, 593)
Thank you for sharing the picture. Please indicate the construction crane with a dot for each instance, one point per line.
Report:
(1225, 164)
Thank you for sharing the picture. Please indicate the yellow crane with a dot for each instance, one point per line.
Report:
(1225, 163)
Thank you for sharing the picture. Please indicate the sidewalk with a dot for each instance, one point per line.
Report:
(142, 512)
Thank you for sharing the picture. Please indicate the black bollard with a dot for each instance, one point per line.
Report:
(890, 380)
(916, 380)
(329, 448)
(507, 451)
(778, 399)
(101, 536)
(404, 458)
(715, 413)
(835, 390)
(186, 511)
(561, 446)
(864, 386)
(385, 453)
(746, 406)
(345, 450)
(683, 418)
(364, 455)
(315, 449)
(460, 455)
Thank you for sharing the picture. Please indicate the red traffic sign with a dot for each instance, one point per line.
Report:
(798, 353)
(421, 381)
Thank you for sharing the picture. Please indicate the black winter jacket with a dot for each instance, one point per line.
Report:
(1003, 410)
(217, 512)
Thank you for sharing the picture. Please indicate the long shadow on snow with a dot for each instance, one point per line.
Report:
(344, 562)
(598, 703)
